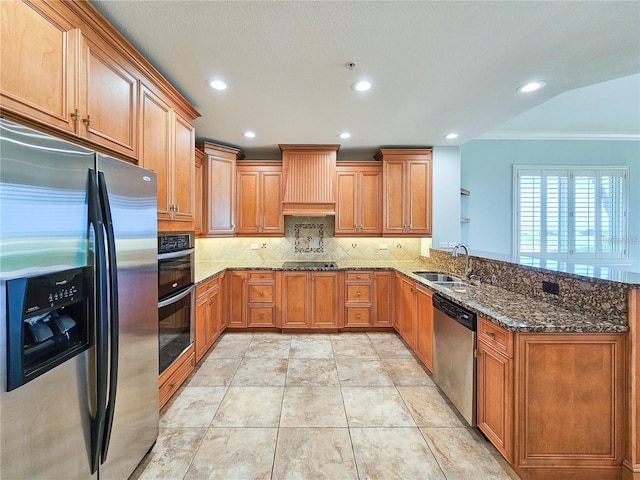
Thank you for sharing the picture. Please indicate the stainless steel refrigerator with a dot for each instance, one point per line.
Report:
(78, 299)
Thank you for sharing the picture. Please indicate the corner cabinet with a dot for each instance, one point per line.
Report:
(220, 188)
(407, 186)
(259, 199)
(359, 202)
(167, 147)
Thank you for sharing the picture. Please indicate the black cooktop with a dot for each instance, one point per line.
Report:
(310, 264)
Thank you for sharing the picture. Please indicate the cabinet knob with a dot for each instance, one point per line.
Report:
(359, 315)
(357, 294)
(491, 334)
(177, 208)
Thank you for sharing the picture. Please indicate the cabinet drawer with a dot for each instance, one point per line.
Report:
(266, 275)
(358, 293)
(261, 317)
(177, 377)
(497, 337)
(202, 288)
(261, 293)
(359, 276)
(358, 316)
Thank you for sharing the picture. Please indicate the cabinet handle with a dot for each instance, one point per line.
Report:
(87, 121)
(177, 208)
(76, 116)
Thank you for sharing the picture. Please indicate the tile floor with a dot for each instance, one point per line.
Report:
(314, 406)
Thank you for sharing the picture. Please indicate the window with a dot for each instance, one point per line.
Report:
(570, 213)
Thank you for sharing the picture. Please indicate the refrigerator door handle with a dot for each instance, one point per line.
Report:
(113, 310)
(101, 331)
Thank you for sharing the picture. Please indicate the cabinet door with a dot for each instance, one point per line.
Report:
(155, 147)
(295, 304)
(213, 327)
(382, 288)
(424, 318)
(198, 192)
(221, 180)
(394, 194)
(408, 322)
(325, 300)
(347, 203)
(247, 211)
(419, 197)
(108, 99)
(183, 170)
(370, 197)
(38, 63)
(495, 398)
(272, 220)
(237, 299)
(200, 334)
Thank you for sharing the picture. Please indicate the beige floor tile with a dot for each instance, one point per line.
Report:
(375, 407)
(272, 335)
(362, 372)
(311, 346)
(312, 407)
(353, 345)
(314, 453)
(464, 455)
(261, 372)
(171, 455)
(215, 372)
(390, 346)
(320, 372)
(192, 407)
(268, 347)
(407, 372)
(393, 454)
(430, 408)
(230, 345)
(250, 407)
(234, 453)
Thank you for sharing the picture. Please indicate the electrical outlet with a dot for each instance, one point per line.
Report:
(551, 287)
(255, 246)
(443, 244)
(452, 244)
(383, 246)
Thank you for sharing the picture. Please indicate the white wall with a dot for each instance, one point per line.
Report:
(487, 170)
(446, 195)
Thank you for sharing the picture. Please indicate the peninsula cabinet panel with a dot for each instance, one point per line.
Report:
(359, 203)
(424, 321)
(259, 200)
(38, 58)
(569, 406)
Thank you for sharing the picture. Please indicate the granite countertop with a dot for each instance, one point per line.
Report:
(513, 311)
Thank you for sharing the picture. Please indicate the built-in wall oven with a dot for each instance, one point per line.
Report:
(175, 294)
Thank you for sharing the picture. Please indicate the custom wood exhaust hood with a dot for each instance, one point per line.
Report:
(309, 179)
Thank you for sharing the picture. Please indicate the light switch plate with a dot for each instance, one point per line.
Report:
(383, 246)
(255, 246)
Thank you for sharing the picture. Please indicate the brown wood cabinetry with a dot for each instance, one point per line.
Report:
(208, 325)
(382, 299)
(236, 299)
(175, 375)
(406, 320)
(220, 191)
(198, 188)
(424, 321)
(358, 306)
(407, 184)
(311, 300)
(359, 202)
(262, 292)
(495, 385)
(259, 200)
(167, 147)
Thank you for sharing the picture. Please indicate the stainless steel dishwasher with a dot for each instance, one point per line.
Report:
(454, 363)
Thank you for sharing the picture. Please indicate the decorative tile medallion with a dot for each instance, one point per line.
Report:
(309, 237)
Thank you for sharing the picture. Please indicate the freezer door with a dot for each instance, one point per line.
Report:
(44, 424)
(132, 200)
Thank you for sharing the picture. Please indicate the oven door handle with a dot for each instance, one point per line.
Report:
(181, 253)
(176, 298)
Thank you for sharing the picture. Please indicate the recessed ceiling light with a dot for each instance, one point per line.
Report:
(451, 136)
(361, 86)
(531, 86)
(218, 85)
(345, 135)
(249, 134)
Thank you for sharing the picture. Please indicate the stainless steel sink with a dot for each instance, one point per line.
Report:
(437, 277)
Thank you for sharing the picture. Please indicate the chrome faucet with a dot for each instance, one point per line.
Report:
(454, 253)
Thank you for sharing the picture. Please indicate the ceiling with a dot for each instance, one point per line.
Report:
(436, 67)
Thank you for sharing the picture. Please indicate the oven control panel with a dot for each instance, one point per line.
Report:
(172, 243)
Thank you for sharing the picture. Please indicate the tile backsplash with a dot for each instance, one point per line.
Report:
(307, 238)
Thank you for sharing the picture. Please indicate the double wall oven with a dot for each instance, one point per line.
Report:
(175, 294)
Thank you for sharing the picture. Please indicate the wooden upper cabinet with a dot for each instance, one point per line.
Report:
(38, 58)
(167, 147)
(359, 202)
(107, 110)
(259, 200)
(407, 175)
(199, 193)
(220, 191)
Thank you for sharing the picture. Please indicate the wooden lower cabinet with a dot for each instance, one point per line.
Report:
(236, 300)
(311, 300)
(174, 376)
(358, 306)
(262, 288)
(406, 322)
(208, 325)
(382, 299)
(424, 321)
